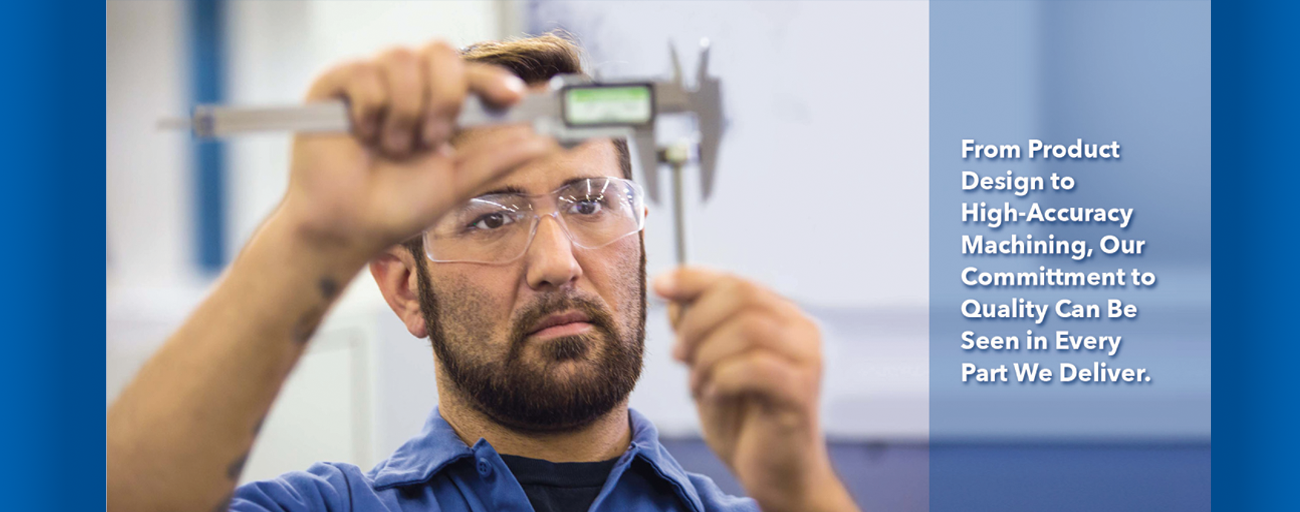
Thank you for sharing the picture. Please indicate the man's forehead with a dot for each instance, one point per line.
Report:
(594, 158)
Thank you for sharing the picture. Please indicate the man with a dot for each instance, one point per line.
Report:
(524, 265)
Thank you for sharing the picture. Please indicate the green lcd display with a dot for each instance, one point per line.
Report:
(602, 105)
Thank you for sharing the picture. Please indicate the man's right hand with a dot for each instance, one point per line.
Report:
(179, 434)
(359, 193)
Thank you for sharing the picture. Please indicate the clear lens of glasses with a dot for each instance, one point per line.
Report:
(497, 228)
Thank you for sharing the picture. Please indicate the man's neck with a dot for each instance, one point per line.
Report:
(606, 438)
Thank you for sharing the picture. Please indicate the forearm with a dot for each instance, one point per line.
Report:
(178, 435)
(827, 495)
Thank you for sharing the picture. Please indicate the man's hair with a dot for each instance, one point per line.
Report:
(534, 60)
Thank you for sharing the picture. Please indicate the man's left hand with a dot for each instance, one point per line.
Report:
(756, 366)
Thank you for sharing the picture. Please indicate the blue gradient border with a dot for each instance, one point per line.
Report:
(52, 204)
(1255, 106)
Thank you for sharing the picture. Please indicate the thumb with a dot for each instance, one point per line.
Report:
(685, 284)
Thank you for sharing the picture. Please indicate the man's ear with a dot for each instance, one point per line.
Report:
(395, 272)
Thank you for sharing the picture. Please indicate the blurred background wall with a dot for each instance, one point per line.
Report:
(828, 100)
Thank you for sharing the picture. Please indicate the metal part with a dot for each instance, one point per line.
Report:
(676, 156)
(332, 117)
(679, 214)
(705, 101)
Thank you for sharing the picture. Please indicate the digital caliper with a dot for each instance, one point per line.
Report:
(572, 109)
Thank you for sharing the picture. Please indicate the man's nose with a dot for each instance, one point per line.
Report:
(550, 257)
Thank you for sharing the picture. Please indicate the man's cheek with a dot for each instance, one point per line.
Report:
(471, 311)
(622, 266)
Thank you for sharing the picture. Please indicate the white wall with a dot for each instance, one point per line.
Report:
(147, 175)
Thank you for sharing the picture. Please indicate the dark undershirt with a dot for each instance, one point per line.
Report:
(559, 486)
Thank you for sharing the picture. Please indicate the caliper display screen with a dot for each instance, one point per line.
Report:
(608, 105)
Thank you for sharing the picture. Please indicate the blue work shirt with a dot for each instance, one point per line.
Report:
(436, 471)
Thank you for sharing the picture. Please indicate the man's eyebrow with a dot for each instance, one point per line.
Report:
(509, 189)
(513, 190)
(571, 181)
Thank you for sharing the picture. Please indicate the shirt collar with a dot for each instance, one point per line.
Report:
(417, 460)
(437, 445)
(645, 444)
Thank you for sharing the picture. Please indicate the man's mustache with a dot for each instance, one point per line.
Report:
(534, 313)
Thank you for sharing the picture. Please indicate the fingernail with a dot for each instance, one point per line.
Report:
(443, 129)
(366, 127)
(446, 150)
(436, 131)
(515, 84)
(396, 141)
(665, 283)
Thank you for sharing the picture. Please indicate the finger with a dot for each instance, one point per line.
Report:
(330, 84)
(362, 86)
(674, 317)
(759, 374)
(407, 89)
(684, 284)
(438, 186)
(726, 298)
(746, 332)
(798, 342)
(485, 165)
(476, 168)
(495, 84)
(444, 71)
(488, 139)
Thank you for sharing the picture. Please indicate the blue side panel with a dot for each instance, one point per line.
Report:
(1255, 110)
(1137, 73)
(52, 198)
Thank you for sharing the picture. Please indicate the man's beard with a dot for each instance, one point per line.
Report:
(529, 395)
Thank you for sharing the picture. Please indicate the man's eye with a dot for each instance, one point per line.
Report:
(586, 207)
(492, 221)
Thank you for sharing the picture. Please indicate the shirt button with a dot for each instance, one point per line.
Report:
(484, 468)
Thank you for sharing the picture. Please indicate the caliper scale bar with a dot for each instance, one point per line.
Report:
(572, 109)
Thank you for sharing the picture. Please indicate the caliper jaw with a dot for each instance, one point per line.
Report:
(705, 101)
